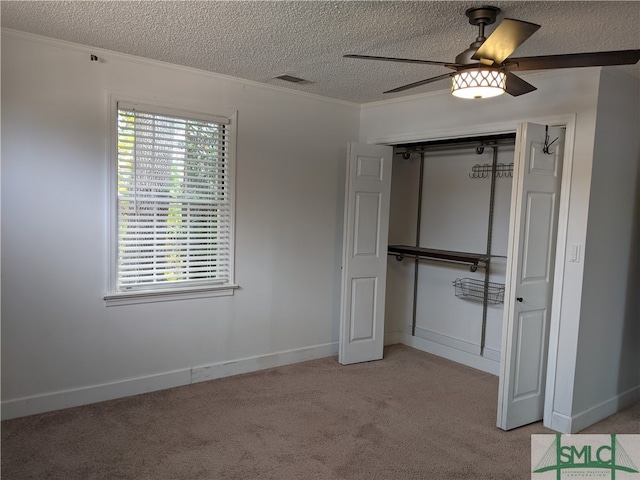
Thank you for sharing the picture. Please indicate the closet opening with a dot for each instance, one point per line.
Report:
(450, 247)
(448, 238)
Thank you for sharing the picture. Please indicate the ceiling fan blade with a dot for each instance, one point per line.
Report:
(505, 39)
(404, 60)
(517, 86)
(574, 60)
(420, 83)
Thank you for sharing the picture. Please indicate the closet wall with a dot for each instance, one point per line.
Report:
(454, 216)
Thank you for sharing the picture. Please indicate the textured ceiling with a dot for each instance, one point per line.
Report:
(260, 40)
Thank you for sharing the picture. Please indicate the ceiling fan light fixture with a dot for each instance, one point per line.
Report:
(478, 83)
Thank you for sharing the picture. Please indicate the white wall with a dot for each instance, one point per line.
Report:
(560, 93)
(60, 345)
(608, 366)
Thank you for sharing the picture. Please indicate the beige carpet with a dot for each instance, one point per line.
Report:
(409, 416)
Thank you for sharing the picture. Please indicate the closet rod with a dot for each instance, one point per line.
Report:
(408, 148)
(461, 140)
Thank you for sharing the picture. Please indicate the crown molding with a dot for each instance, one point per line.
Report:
(110, 54)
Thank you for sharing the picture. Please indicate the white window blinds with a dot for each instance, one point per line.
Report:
(174, 193)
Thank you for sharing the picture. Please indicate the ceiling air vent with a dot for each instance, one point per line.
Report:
(292, 79)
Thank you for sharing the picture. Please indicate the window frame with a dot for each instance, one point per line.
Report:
(114, 297)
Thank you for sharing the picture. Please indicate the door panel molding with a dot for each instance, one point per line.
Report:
(532, 324)
(367, 223)
(363, 308)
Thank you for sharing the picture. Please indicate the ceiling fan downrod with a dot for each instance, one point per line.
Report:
(480, 16)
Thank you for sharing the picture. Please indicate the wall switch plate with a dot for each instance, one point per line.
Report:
(574, 253)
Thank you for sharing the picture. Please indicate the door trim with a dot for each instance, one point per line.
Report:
(569, 122)
(558, 274)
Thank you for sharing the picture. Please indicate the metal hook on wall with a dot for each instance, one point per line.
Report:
(545, 147)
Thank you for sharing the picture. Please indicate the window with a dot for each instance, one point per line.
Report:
(174, 212)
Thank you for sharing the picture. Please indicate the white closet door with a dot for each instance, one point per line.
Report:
(528, 294)
(364, 257)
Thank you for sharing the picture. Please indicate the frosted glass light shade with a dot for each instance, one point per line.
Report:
(478, 83)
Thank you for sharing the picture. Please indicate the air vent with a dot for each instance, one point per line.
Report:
(292, 79)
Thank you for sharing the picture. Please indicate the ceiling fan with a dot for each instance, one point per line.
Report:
(485, 68)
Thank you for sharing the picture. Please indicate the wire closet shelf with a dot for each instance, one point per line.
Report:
(474, 290)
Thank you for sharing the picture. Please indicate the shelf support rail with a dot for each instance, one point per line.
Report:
(417, 259)
(494, 166)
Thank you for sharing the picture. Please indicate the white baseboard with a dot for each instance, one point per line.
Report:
(573, 424)
(603, 410)
(471, 360)
(559, 422)
(456, 343)
(245, 365)
(21, 407)
(445, 340)
(492, 354)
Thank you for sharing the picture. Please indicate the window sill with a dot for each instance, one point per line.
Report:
(134, 298)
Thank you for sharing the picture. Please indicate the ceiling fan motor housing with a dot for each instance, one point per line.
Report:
(464, 58)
